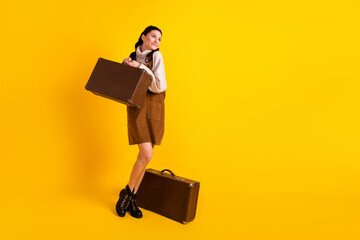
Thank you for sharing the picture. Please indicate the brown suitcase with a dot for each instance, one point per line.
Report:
(168, 195)
(119, 82)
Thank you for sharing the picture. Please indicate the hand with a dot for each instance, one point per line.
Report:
(130, 62)
(127, 60)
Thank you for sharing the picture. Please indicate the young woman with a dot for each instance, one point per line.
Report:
(146, 124)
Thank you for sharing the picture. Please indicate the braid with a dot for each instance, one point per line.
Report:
(149, 57)
(133, 55)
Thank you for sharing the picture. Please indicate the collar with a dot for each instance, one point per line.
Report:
(142, 54)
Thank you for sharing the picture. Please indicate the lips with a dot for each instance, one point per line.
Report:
(154, 44)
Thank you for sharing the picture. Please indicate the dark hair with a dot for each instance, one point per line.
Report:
(149, 56)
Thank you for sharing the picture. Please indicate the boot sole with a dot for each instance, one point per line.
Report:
(134, 215)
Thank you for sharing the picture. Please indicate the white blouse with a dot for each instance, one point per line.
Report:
(158, 83)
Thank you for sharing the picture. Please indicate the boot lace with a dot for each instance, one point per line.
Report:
(124, 200)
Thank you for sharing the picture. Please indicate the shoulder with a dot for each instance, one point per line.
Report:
(157, 55)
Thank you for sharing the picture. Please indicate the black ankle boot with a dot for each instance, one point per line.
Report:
(125, 197)
(133, 208)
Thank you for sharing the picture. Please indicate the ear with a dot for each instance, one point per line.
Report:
(142, 37)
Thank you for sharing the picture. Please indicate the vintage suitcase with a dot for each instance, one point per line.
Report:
(119, 82)
(168, 195)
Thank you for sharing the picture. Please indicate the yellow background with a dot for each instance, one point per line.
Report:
(262, 108)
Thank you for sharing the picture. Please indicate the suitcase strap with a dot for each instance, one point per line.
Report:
(172, 174)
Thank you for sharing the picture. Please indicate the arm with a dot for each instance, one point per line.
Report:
(158, 83)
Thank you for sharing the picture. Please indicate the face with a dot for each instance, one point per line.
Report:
(151, 41)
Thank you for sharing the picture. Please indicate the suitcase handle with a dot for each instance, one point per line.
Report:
(169, 172)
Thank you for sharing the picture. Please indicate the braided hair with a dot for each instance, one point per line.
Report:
(149, 56)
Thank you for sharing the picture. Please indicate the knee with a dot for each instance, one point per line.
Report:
(145, 158)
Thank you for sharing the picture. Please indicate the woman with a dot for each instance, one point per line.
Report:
(146, 124)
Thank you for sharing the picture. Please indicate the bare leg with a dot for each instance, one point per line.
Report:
(139, 181)
(143, 158)
(140, 178)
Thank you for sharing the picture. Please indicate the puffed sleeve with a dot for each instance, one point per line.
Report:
(158, 83)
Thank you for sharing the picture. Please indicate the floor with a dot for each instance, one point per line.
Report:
(31, 214)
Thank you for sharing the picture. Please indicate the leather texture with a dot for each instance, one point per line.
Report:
(119, 82)
(125, 198)
(133, 208)
(168, 195)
